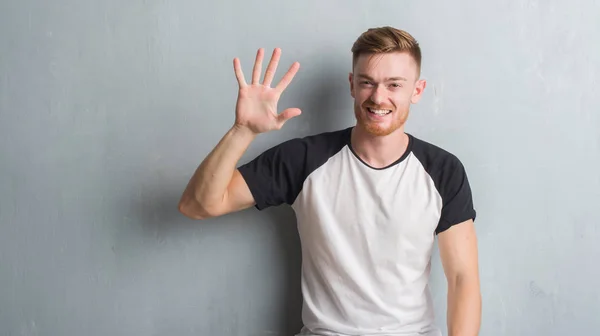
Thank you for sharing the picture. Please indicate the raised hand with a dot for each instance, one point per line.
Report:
(256, 106)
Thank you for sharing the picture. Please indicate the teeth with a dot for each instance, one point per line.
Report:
(380, 112)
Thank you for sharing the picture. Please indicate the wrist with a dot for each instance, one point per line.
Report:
(243, 132)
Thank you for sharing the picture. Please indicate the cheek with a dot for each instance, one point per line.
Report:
(360, 97)
(401, 98)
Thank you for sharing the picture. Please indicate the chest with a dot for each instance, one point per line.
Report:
(347, 198)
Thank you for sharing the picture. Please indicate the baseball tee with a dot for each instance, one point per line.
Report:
(366, 233)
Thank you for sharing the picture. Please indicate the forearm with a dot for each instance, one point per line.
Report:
(207, 187)
(464, 307)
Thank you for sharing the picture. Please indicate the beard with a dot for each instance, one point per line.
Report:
(396, 119)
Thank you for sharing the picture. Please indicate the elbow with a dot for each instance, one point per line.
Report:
(193, 209)
(464, 283)
(462, 280)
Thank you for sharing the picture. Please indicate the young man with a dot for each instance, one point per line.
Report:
(369, 199)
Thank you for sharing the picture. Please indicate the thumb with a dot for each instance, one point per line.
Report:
(287, 115)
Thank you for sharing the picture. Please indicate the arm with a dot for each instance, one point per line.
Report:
(458, 252)
(217, 187)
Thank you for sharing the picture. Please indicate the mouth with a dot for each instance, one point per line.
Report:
(378, 112)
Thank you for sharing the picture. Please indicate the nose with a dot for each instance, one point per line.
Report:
(378, 95)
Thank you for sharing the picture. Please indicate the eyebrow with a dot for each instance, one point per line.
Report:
(386, 80)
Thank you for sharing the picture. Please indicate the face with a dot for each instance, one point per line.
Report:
(383, 87)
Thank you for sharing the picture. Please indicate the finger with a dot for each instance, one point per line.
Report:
(288, 114)
(239, 74)
(287, 78)
(257, 66)
(270, 73)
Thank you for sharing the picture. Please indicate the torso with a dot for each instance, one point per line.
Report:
(367, 234)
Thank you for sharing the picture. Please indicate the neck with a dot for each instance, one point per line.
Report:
(379, 151)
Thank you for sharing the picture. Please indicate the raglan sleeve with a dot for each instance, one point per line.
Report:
(275, 177)
(457, 197)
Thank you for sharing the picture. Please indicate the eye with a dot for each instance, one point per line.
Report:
(396, 85)
(365, 83)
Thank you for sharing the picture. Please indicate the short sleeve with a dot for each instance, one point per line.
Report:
(456, 195)
(275, 177)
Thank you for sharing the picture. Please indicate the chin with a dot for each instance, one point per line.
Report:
(379, 129)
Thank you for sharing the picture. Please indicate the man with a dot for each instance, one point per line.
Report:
(369, 200)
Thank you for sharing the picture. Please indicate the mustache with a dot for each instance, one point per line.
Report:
(378, 107)
(370, 104)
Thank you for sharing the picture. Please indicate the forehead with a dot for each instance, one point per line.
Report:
(396, 64)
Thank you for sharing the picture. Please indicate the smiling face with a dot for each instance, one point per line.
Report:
(383, 87)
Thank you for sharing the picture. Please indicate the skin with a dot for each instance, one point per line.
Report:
(383, 81)
(217, 188)
(391, 82)
(458, 252)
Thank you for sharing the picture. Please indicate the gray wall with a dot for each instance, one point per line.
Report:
(107, 107)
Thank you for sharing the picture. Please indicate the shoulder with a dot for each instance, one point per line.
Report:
(445, 168)
(312, 148)
(433, 157)
(450, 178)
(277, 174)
(333, 140)
(298, 155)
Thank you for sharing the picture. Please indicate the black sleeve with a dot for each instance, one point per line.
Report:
(275, 177)
(456, 195)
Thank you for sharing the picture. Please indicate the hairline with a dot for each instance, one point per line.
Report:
(372, 54)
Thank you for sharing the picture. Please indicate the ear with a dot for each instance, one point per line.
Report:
(351, 80)
(418, 91)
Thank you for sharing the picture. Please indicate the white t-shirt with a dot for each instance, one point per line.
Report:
(366, 233)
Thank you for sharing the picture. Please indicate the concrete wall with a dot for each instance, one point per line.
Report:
(107, 107)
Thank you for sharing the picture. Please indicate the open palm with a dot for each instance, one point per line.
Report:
(256, 106)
